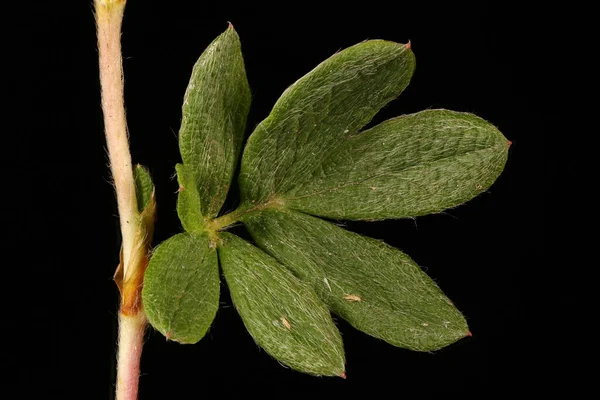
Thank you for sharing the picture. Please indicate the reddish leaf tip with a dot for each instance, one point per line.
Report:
(509, 143)
(343, 375)
(469, 334)
(408, 45)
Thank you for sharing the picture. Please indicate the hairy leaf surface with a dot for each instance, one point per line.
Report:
(143, 186)
(181, 287)
(189, 207)
(317, 114)
(215, 108)
(405, 167)
(282, 313)
(375, 287)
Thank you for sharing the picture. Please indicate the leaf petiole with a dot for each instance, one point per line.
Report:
(243, 211)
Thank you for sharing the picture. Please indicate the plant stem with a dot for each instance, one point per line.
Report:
(132, 320)
(109, 16)
(131, 341)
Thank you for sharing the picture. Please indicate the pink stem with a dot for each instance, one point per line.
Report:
(131, 341)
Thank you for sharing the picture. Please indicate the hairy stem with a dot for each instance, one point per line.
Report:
(132, 320)
(131, 341)
(109, 15)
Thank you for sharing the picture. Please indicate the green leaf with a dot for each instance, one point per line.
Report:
(188, 201)
(143, 186)
(405, 167)
(318, 113)
(181, 287)
(375, 287)
(215, 107)
(282, 313)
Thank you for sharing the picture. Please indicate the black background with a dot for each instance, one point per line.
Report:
(486, 255)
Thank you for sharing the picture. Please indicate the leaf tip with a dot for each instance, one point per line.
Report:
(469, 334)
(509, 142)
(230, 26)
(408, 45)
(343, 375)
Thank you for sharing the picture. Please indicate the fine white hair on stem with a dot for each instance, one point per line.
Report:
(109, 15)
(132, 320)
